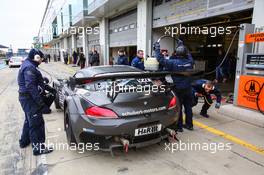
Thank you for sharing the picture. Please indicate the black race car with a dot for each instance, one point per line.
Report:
(116, 106)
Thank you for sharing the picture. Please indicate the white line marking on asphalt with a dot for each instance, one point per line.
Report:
(52, 136)
(42, 160)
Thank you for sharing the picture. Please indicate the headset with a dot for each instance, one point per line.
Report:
(37, 58)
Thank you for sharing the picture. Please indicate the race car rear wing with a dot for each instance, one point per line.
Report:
(73, 81)
(113, 76)
(140, 75)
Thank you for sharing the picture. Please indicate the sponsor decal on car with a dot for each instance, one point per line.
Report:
(140, 112)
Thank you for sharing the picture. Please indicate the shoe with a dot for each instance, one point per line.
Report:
(204, 115)
(179, 130)
(188, 127)
(23, 145)
(45, 151)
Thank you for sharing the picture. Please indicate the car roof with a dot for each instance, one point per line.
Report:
(96, 70)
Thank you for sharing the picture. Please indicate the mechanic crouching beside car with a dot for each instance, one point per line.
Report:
(29, 79)
(182, 61)
(204, 88)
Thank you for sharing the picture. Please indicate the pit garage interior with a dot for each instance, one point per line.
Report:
(204, 47)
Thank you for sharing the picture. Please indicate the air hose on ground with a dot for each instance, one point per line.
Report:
(257, 99)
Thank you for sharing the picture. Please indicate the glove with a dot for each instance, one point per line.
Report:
(45, 80)
(180, 43)
(156, 46)
(217, 105)
(50, 89)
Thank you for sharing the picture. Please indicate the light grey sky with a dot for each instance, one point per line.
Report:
(20, 21)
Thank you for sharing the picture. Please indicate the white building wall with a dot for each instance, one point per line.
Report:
(259, 22)
(144, 26)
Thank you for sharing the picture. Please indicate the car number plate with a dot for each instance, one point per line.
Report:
(148, 130)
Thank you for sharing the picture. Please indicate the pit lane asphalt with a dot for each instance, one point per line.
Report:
(154, 159)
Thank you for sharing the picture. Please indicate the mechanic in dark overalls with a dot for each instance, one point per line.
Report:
(122, 58)
(29, 79)
(204, 88)
(182, 61)
(138, 61)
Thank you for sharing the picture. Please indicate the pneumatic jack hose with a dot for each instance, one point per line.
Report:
(257, 99)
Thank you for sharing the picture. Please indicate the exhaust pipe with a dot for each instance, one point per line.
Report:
(125, 143)
(172, 133)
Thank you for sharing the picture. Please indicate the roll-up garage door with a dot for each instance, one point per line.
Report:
(123, 30)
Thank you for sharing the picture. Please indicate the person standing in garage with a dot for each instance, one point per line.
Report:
(29, 80)
(122, 58)
(183, 61)
(138, 61)
(82, 60)
(75, 56)
(95, 58)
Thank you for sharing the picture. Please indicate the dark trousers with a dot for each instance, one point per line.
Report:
(185, 99)
(34, 127)
(207, 103)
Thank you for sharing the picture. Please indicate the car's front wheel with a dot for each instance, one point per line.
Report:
(68, 128)
(57, 101)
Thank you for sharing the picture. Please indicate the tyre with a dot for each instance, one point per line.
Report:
(57, 101)
(68, 128)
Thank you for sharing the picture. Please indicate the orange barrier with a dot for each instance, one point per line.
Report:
(249, 88)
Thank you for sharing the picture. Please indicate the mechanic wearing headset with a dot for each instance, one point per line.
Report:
(204, 88)
(182, 61)
(29, 79)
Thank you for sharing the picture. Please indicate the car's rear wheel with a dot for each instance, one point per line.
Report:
(68, 127)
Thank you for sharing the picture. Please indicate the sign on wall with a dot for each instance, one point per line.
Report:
(249, 88)
(254, 37)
